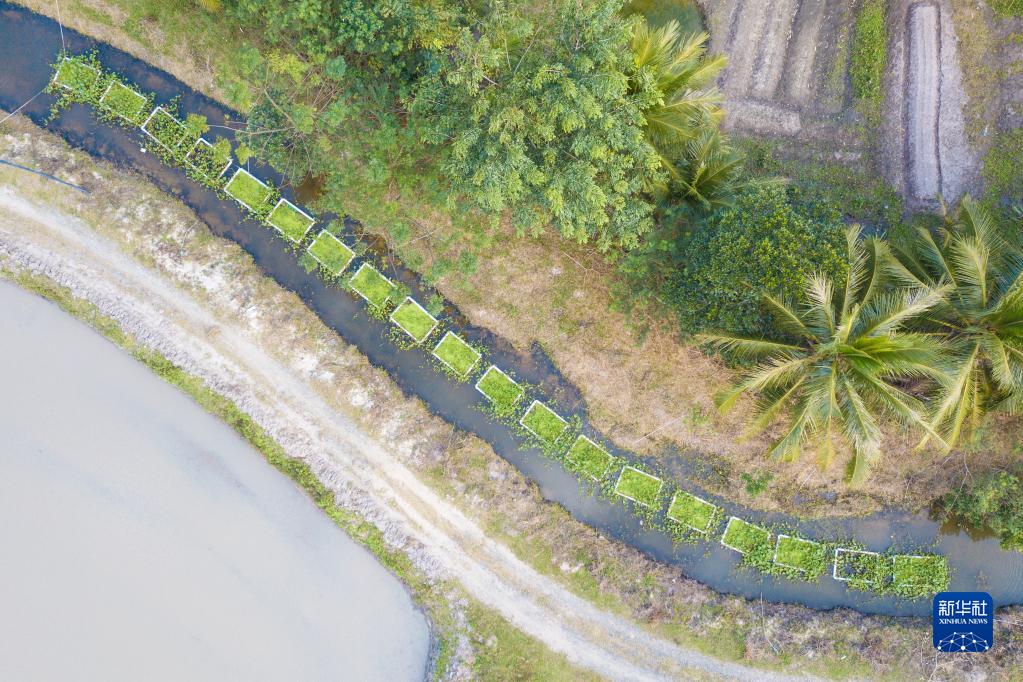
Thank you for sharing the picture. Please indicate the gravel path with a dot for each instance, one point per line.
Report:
(366, 476)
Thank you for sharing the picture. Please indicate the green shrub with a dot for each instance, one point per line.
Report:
(762, 244)
(994, 503)
(870, 51)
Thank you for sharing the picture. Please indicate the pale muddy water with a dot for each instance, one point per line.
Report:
(143, 539)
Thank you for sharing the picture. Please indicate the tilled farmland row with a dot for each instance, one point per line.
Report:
(788, 77)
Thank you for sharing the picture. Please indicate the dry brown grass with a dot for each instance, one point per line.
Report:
(649, 392)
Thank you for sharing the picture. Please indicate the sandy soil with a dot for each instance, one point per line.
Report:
(788, 77)
(780, 57)
(923, 85)
(227, 342)
(927, 152)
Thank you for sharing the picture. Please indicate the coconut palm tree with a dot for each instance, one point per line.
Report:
(706, 172)
(682, 112)
(840, 366)
(980, 264)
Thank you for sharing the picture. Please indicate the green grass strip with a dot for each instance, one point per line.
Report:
(544, 423)
(638, 486)
(290, 220)
(458, 355)
(331, 253)
(247, 189)
(870, 51)
(371, 285)
(414, 319)
(588, 458)
(692, 511)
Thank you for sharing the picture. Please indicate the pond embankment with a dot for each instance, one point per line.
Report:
(146, 526)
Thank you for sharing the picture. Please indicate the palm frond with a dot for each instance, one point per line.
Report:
(888, 312)
(749, 348)
(785, 318)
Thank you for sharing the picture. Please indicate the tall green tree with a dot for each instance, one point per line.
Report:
(838, 367)
(536, 114)
(979, 263)
(769, 240)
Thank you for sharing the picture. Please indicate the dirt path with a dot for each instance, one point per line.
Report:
(927, 152)
(923, 79)
(366, 476)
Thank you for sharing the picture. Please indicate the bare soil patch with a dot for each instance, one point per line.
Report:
(927, 151)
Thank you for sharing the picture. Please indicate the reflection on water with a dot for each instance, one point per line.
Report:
(310, 189)
(143, 539)
(951, 525)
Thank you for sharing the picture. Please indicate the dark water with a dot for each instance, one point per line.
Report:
(28, 44)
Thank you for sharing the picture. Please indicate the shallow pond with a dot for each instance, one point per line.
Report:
(144, 539)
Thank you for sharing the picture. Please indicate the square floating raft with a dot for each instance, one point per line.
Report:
(802, 555)
(290, 220)
(165, 129)
(638, 486)
(458, 355)
(247, 189)
(124, 101)
(500, 389)
(414, 319)
(76, 75)
(331, 253)
(371, 285)
(857, 565)
(204, 158)
(544, 423)
(744, 537)
(589, 458)
(692, 511)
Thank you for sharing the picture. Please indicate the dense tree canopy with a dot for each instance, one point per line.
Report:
(994, 502)
(561, 114)
(764, 243)
(541, 117)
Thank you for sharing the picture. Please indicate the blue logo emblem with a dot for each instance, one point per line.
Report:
(964, 622)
